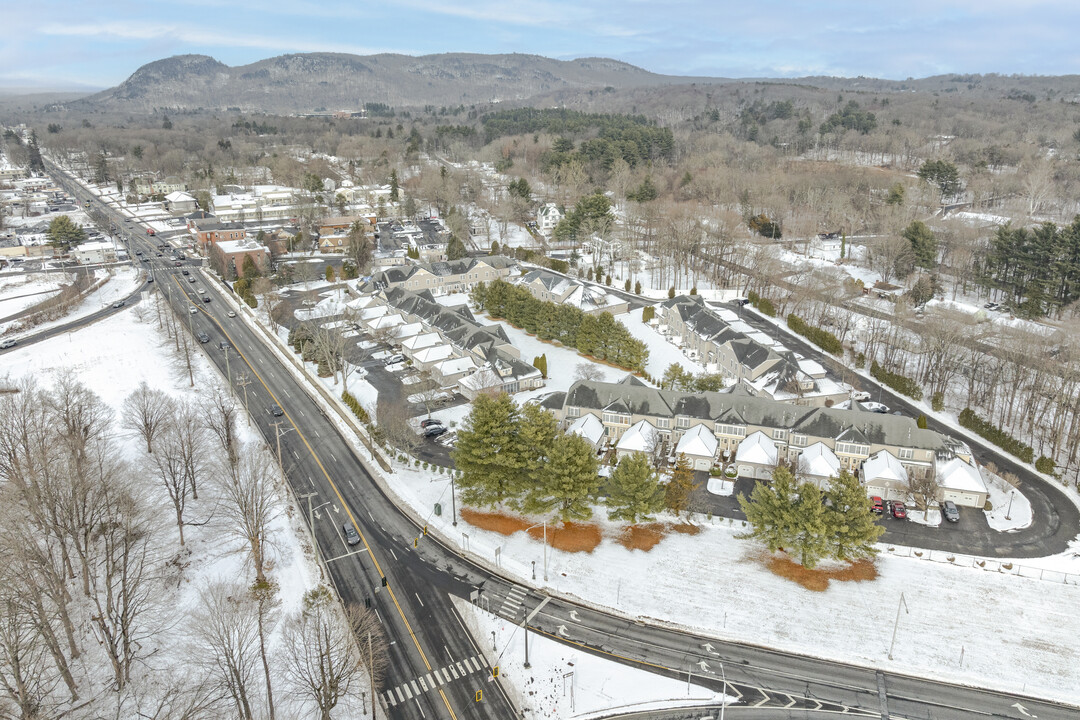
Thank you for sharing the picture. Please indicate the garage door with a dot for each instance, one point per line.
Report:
(961, 498)
(746, 471)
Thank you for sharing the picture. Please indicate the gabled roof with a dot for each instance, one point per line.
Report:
(955, 474)
(757, 449)
(640, 437)
(883, 465)
(697, 441)
(589, 427)
(853, 435)
(819, 461)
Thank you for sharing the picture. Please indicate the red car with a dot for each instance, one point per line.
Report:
(877, 506)
(150, 232)
(899, 511)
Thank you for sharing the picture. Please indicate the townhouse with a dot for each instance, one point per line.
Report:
(755, 434)
(443, 278)
(552, 287)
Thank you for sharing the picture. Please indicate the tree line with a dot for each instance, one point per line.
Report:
(599, 336)
(1037, 270)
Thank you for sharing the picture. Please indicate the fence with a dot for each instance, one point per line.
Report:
(990, 565)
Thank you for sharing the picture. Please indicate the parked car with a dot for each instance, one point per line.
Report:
(428, 422)
(876, 407)
(860, 395)
(950, 511)
(351, 536)
(276, 410)
(899, 511)
(203, 338)
(9, 343)
(877, 506)
(434, 431)
(395, 359)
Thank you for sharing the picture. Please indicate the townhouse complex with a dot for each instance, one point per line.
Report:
(553, 287)
(443, 278)
(752, 434)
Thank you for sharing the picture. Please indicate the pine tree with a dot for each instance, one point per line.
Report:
(537, 430)
(329, 273)
(769, 511)
(681, 486)
(494, 247)
(637, 287)
(455, 249)
(812, 541)
(488, 452)
(635, 494)
(571, 478)
(393, 185)
(852, 530)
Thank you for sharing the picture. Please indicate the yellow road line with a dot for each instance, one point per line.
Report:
(337, 492)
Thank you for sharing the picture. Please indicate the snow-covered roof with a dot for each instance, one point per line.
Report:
(453, 366)
(419, 342)
(955, 474)
(812, 368)
(883, 465)
(431, 354)
(406, 331)
(94, 246)
(374, 312)
(387, 321)
(698, 441)
(640, 437)
(589, 427)
(234, 246)
(179, 196)
(819, 461)
(757, 449)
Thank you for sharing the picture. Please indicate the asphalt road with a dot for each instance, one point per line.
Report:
(427, 638)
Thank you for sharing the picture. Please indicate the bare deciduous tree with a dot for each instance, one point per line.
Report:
(226, 636)
(588, 372)
(219, 413)
(146, 412)
(250, 505)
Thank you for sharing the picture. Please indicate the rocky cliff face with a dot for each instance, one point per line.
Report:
(331, 81)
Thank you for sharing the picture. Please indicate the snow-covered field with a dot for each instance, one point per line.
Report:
(564, 682)
(19, 291)
(1010, 626)
(122, 281)
(111, 358)
(662, 354)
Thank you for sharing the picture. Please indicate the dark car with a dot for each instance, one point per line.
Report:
(877, 506)
(950, 511)
(138, 252)
(434, 431)
(429, 422)
(351, 536)
(203, 338)
(206, 298)
(184, 272)
(276, 410)
(223, 345)
(150, 279)
(899, 511)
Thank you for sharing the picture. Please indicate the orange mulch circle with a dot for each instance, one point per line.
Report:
(686, 529)
(569, 537)
(642, 537)
(818, 580)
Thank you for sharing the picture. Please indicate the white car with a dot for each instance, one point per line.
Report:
(860, 395)
(193, 310)
(232, 313)
(875, 407)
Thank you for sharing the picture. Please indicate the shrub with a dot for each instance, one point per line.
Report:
(425, 465)
(937, 401)
(921, 421)
(996, 435)
(357, 409)
(671, 292)
(637, 287)
(1045, 465)
(860, 360)
(900, 383)
(822, 338)
(648, 313)
(763, 304)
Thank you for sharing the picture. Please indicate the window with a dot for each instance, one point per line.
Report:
(852, 448)
(779, 434)
(573, 412)
(798, 440)
(683, 422)
(906, 453)
(734, 430)
(663, 423)
(616, 419)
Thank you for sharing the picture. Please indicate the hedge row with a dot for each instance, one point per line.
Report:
(900, 383)
(996, 435)
(357, 409)
(822, 338)
(763, 304)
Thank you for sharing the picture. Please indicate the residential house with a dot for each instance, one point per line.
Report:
(210, 231)
(547, 217)
(756, 456)
(961, 482)
(448, 372)
(150, 186)
(89, 253)
(639, 437)
(698, 445)
(179, 202)
(884, 476)
(590, 428)
(817, 464)
(443, 278)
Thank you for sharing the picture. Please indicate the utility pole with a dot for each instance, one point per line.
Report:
(371, 669)
(232, 390)
(243, 382)
(277, 434)
(902, 603)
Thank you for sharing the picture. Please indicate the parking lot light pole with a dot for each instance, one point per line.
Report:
(902, 603)
(545, 547)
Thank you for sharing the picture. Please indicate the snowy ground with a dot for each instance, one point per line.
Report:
(124, 280)
(19, 291)
(563, 682)
(1011, 510)
(1007, 619)
(662, 354)
(95, 355)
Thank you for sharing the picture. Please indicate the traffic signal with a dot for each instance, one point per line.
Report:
(495, 671)
(479, 695)
(425, 529)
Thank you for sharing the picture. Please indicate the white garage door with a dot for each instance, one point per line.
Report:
(746, 471)
(961, 498)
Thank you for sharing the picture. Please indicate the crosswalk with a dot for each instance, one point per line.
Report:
(431, 681)
(512, 602)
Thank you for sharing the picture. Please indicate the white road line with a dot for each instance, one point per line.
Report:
(484, 660)
(383, 701)
(453, 671)
(394, 554)
(463, 673)
(416, 689)
(422, 713)
(448, 653)
(332, 455)
(408, 693)
(477, 664)
(418, 599)
(439, 678)
(423, 684)
(389, 695)
(287, 393)
(401, 698)
(430, 681)
(316, 432)
(295, 455)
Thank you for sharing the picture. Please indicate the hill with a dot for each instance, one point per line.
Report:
(314, 82)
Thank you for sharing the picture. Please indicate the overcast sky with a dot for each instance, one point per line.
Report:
(101, 42)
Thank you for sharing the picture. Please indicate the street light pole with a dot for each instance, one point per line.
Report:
(545, 550)
(1008, 514)
(902, 603)
(453, 492)
(228, 371)
(723, 702)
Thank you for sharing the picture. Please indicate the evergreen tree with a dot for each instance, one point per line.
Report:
(681, 486)
(626, 285)
(36, 163)
(249, 269)
(852, 529)
(923, 243)
(494, 247)
(812, 537)
(637, 287)
(455, 249)
(63, 233)
(635, 493)
(488, 452)
(943, 175)
(537, 431)
(393, 184)
(769, 511)
(571, 478)
(329, 273)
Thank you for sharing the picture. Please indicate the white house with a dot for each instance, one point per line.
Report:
(94, 252)
(698, 444)
(817, 464)
(448, 372)
(961, 482)
(756, 457)
(547, 217)
(640, 437)
(885, 477)
(180, 203)
(590, 428)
